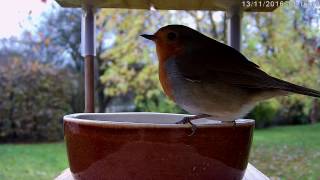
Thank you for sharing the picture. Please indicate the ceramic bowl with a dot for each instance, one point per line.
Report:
(138, 146)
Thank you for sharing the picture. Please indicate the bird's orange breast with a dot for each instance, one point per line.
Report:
(164, 52)
(165, 83)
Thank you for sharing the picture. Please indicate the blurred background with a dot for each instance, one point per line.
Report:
(41, 79)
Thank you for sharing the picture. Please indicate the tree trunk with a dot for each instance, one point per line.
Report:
(213, 25)
(314, 114)
(103, 100)
(77, 99)
(197, 20)
(13, 132)
(225, 28)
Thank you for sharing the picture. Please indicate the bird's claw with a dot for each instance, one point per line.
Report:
(193, 129)
(187, 120)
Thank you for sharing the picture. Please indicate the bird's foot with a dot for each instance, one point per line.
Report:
(188, 119)
(234, 124)
(185, 120)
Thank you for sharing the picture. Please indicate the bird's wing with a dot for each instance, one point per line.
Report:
(225, 64)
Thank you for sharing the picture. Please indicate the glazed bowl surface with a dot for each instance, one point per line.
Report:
(151, 146)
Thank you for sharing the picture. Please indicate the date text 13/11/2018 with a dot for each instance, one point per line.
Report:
(274, 4)
(262, 4)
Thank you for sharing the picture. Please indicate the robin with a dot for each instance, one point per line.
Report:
(210, 79)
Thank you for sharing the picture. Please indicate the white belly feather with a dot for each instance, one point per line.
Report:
(217, 99)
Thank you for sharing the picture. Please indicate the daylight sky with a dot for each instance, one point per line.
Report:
(19, 15)
(14, 15)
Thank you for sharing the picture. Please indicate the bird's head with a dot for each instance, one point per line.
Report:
(172, 40)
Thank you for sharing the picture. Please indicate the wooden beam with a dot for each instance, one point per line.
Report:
(88, 51)
(219, 5)
(234, 15)
(251, 174)
(89, 84)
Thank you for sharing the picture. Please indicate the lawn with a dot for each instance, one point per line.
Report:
(291, 152)
(32, 161)
(286, 152)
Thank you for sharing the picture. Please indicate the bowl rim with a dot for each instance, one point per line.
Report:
(74, 118)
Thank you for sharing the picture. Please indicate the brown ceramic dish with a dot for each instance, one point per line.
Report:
(142, 146)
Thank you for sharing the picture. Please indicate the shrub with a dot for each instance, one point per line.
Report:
(265, 113)
(33, 100)
(293, 111)
(281, 111)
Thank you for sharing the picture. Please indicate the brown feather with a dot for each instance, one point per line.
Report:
(228, 65)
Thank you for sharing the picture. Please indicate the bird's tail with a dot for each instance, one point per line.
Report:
(286, 86)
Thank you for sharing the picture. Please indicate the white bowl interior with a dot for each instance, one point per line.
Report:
(140, 118)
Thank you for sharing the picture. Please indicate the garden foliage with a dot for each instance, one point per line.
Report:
(34, 99)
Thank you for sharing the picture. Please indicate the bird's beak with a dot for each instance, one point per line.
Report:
(150, 37)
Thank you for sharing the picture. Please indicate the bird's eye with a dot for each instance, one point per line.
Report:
(172, 36)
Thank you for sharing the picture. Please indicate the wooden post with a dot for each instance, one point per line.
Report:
(89, 83)
(88, 51)
(234, 26)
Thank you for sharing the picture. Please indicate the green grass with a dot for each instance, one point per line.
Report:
(32, 161)
(291, 152)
